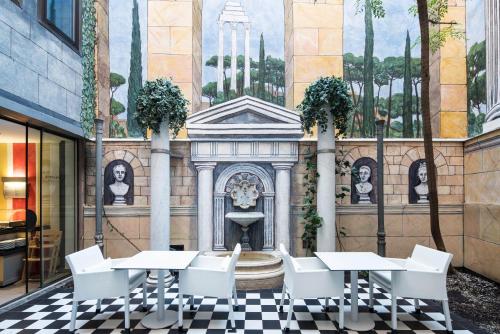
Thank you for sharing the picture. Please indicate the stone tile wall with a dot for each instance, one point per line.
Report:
(35, 64)
(406, 224)
(482, 205)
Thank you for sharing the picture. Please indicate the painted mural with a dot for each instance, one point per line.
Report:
(382, 66)
(266, 44)
(128, 63)
(476, 67)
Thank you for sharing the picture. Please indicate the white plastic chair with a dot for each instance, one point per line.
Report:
(309, 278)
(210, 276)
(424, 278)
(93, 278)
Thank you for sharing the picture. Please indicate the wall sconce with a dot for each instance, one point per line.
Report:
(14, 187)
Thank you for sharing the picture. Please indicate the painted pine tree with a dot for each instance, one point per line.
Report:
(261, 89)
(368, 128)
(407, 83)
(135, 76)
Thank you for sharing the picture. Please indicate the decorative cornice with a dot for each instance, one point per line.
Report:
(138, 211)
(371, 209)
(480, 144)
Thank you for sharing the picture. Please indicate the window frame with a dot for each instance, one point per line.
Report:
(45, 22)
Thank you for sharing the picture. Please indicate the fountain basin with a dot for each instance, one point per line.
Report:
(244, 219)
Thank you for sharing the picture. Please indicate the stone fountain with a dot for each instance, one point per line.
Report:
(245, 219)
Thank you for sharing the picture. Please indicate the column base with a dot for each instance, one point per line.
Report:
(152, 279)
(491, 125)
(220, 248)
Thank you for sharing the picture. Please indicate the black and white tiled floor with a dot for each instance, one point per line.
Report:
(258, 313)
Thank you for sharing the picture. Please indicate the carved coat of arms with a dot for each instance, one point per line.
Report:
(244, 194)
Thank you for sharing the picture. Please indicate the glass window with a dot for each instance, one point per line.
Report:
(62, 16)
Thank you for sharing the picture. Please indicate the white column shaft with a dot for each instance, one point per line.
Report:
(205, 206)
(160, 189)
(233, 57)
(220, 60)
(282, 206)
(492, 64)
(247, 57)
(326, 188)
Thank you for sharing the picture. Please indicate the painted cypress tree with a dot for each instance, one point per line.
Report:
(368, 117)
(407, 112)
(135, 76)
(261, 89)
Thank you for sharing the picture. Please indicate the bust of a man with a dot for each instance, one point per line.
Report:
(119, 188)
(363, 188)
(422, 189)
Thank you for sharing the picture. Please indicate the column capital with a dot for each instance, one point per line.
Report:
(282, 165)
(234, 25)
(205, 165)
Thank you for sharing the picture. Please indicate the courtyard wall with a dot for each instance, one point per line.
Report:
(406, 224)
(482, 205)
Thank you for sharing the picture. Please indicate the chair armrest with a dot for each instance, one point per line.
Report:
(318, 283)
(99, 284)
(205, 282)
(310, 263)
(400, 262)
(202, 261)
(414, 283)
(116, 261)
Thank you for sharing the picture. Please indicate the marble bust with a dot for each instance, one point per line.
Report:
(119, 188)
(422, 189)
(364, 187)
(244, 194)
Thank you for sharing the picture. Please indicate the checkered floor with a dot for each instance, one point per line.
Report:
(258, 313)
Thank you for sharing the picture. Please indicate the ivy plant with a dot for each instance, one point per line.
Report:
(328, 94)
(158, 101)
(87, 113)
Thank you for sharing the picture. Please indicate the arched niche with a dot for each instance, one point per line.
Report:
(415, 182)
(109, 181)
(372, 164)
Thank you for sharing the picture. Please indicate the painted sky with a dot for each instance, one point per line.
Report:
(475, 22)
(266, 16)
(120, 39)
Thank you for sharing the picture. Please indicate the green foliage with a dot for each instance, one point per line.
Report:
(262, 69)
(116, 80)
(116, 107)
(377, 7)
(442, 30)
(135, 76)
(407, 88)
(328, 94)
(210, 91)
(476, 86)
(368, 129)
(87, 113)
(160, 101)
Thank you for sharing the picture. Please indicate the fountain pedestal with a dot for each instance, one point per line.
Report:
(245, 219)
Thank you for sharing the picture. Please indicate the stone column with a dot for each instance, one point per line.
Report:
(247, 55)
(220, 59)
(233, 56)
(492, 65)
(326, 187)
(282, 206)
(205, 205)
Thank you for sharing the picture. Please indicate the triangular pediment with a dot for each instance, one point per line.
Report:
(245, 117)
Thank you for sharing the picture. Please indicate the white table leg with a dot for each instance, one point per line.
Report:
(161, 318)
(353, 319)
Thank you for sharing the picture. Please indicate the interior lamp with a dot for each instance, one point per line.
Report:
(14, 187)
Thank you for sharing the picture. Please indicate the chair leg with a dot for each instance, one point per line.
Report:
(289, 316)
(447, 317)
(74, 309)
(231, 313)
(417, 305)
(394, 314)
(283, 292)
(180, 311)
(98, 307)
(191, 303)
(341, 313)
(144, 296)
(126, 310)
(327, 306)
(370, 293)
(235, 296)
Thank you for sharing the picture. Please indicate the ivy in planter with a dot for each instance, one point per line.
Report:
(328, 94)
(158, 101)
(87, 113)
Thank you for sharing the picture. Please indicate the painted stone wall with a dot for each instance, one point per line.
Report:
(482, 205)
(133, 220)
(406, 224)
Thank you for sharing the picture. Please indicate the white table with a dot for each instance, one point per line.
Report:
(161, 261)
(354, 262)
